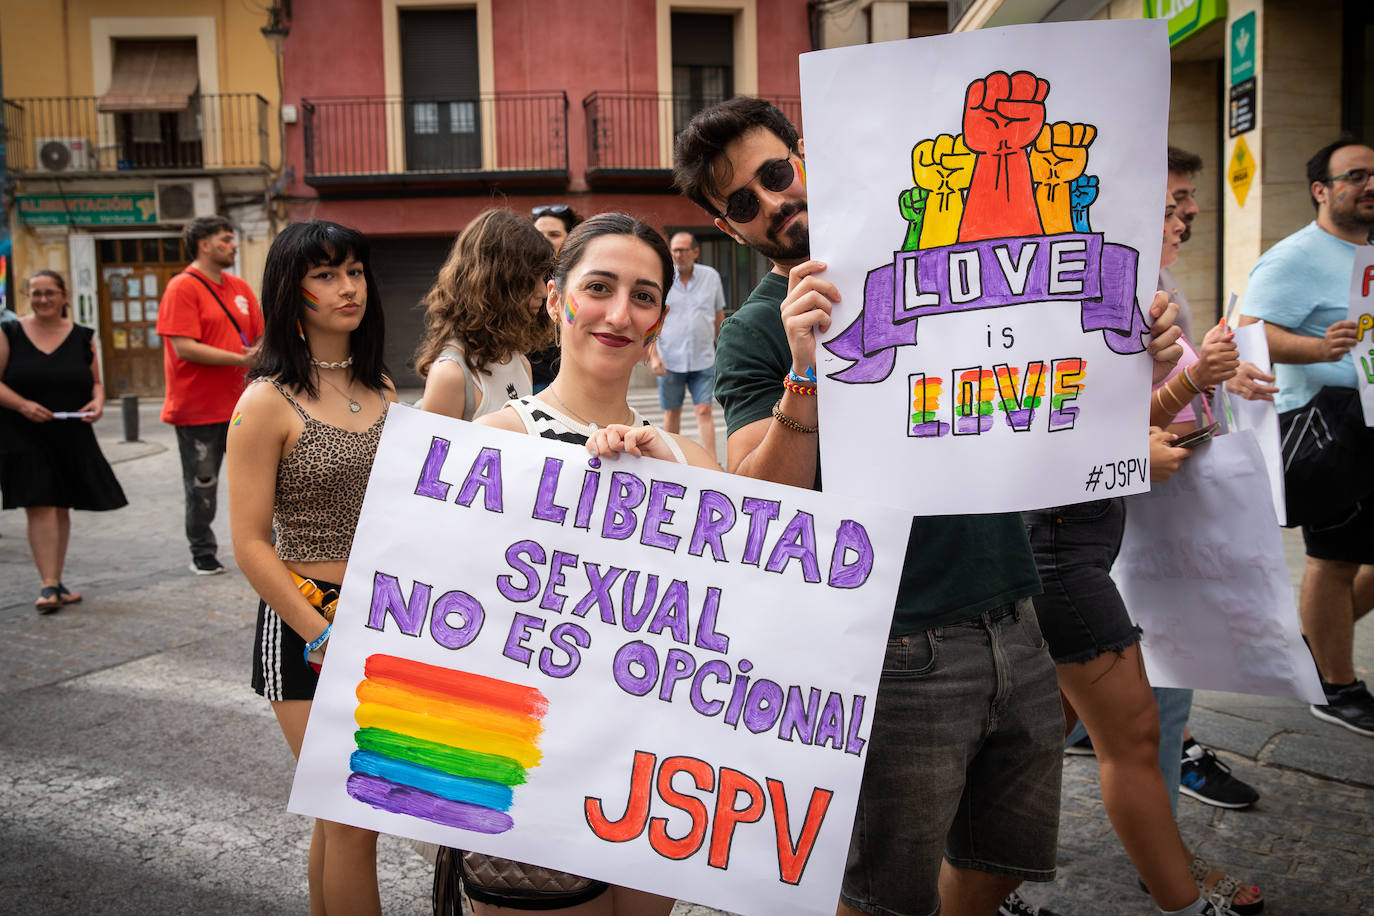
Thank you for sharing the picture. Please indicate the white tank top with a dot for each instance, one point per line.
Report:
(497, 383)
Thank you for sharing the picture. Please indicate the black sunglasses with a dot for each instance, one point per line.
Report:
(550, 210)
(776, 175)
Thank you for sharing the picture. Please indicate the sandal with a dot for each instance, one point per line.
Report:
(1244, 900)
(67, 595)
(49, 600)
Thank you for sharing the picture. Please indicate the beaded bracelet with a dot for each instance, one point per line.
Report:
(317, 642)
(790, 423)
(807, 389)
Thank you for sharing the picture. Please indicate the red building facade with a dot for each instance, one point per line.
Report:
(412, 116)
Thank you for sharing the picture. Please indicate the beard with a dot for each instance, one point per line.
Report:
(794, 246)
(1357, 216)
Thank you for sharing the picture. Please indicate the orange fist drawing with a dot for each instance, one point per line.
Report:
(1060, 155)
(1002, 116)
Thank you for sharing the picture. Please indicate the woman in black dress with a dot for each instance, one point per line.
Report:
(50, 395)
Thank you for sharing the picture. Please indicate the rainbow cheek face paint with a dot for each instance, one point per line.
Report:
(801, 170)
(657, 326)
(569, 308)
(310, 301)
(238, 418)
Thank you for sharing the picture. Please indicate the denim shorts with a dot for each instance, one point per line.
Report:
(701, 382)
(1081, 612)
(964, 763)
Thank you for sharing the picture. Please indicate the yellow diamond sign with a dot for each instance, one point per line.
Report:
(1241, 171)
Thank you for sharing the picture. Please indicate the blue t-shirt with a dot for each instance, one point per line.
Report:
(1303, 284)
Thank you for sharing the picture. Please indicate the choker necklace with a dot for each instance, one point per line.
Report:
(353, 405)
(577, 416)
(322, 364)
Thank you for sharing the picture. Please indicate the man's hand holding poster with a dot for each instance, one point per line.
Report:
(632, 670)
(994, 235)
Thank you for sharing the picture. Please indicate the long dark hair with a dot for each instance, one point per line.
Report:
(603, 224)
(284, 354)
(482, 295)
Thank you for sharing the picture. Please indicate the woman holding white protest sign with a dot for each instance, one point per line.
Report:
(607, 300)
(484, 312)
(1096, 645)
(300, 450)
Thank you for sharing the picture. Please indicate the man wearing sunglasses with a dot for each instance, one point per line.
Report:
(1300, 288)
(960, 798)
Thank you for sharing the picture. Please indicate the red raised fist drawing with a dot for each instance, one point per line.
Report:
(1002, 117)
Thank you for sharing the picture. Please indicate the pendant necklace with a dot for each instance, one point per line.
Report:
(353, 405)
(577, 416)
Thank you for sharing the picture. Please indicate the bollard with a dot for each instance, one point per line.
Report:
(129, 404)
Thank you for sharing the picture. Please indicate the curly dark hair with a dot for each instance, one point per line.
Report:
(482, 296)
(284, 354)
(702, 143)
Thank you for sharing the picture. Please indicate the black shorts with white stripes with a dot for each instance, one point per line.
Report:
(280, 671)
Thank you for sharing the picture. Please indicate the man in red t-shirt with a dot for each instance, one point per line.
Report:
(210, 322)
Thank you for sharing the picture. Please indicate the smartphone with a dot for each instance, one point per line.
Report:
(1196, 437)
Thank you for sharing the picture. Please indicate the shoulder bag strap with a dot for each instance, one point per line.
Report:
(227, 314)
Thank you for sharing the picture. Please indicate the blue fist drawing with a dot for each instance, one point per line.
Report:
(1082, 193)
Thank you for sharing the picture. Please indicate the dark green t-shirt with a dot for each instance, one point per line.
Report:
(957, 566)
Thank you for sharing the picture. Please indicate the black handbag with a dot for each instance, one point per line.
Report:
(1328, 457)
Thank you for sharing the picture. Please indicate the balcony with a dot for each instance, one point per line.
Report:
(62, 137)
(630, 136)
(364, 145)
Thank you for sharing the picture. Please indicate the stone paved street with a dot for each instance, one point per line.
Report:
(141, 775)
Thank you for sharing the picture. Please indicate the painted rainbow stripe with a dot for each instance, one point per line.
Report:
(652, 334)
(443, 745)
(569, 308)
(801, 170)
(310, 301)
(4, 270)
(238, 418)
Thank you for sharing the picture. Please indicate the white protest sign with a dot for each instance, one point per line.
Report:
(637, 671)
(1261, 417)
(1202, 572)
(989, 205)
(1362, 313)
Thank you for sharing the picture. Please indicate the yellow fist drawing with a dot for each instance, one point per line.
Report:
(944, 167)
(1059, 156)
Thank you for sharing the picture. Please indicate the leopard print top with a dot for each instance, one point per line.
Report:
(320, 487)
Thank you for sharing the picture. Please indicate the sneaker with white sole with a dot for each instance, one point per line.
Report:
(207, 566)
(1083, 747)
(1349, 706)
(1016, 905)
(1208, 780)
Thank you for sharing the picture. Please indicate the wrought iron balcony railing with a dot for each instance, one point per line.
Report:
(629, 132)
(364, 138)
(60, 136)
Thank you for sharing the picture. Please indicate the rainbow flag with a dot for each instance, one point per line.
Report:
(447, 746)
(310, 301)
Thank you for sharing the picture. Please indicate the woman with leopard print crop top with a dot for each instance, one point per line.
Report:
(300, 450)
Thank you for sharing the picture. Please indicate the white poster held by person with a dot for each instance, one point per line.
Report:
(1202, 569)
(1261, 417)
(637, 671)
(989, 206)
(1362, 313)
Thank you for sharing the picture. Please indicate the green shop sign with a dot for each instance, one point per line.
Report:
(136, 209)
(1185, 16)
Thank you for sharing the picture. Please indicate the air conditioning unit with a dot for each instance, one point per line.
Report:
(63, 154)
(183, 200)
